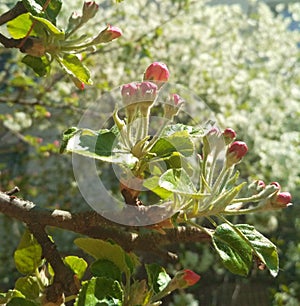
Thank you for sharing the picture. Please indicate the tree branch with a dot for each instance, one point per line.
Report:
(92, 224)
(17, 10)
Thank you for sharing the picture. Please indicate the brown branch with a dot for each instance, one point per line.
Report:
(94, 225)
(17, 10)
(64, 281)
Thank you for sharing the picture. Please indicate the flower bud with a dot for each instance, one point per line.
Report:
(184, 278)
(276, 184)
(108, 34)
(172, 107)
(157, 72)
(236, 151)
(148, 91)
(89, 10)
(282, 200)
(229, 135)
(129, 93)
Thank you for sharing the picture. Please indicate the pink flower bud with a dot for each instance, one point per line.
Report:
(177, 100)
(47, 114)
(236, 151)
(190, 277)
(261, 184)
(56, 143)
(108, 34)
(229, 135)
(282, 200)
(157, 72)
(276, 184)
(128, 92)
(89, 10)
(148, 88)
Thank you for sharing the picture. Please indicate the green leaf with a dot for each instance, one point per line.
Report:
(176, 142)
(40, 65)
(152, 184)
(42, 24)
(19, 27)
(178, 127)
(18, 301)
(77, 265)
(29, 286)
(235, 252)
(179, 182)
(158, 278)
(100, 249)
(36, 8)
(97, 145)
(220, 203)
(262, 247)
(73, 66)
(100, 291)
(5, 297)
(105, 268)
(28, 255)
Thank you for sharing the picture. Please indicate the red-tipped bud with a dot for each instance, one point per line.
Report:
(261, 184)
(190, 277)
(129, 92)
(157, 72)
(276, 184)
(236, 151)
(183, 279)
(229, 135)
(108, 34)
(89, 10)
(282, 200)
(177, 100)
(148, 90)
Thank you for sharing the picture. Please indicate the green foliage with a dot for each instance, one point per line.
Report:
(28, 256)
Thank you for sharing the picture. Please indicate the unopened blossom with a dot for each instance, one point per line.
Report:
(229, 135)
(157, 72)
(129, 93)
(108, 34)
(236, 151)
(276, 184)
(89, 10)
(171, 108)
(281, 200)
(183, 279)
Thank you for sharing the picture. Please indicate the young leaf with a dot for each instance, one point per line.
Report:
(152, 183)
(104, 250)
(178, 181)
(36, 8)
(176, 142)
(158, 278)
(42, 23)
(73, 66)
(28, 255)
(77, 265)
(29, 286)
(40, 65)
(100, 291)
(105, 268)
(235, 252)
(19, 27)
(18, 301)
(262, 247)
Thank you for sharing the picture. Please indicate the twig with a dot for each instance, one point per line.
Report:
(94, 225)
(17, 10)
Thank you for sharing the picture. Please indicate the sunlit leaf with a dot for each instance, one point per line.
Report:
(29, 286)
(262, 247)
(73, 66)
(28, 255)
(234, 251)
(40, 65)
(158, 278)
(77, 265)
(100, 291)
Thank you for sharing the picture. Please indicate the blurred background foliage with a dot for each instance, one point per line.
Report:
(241, 59)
